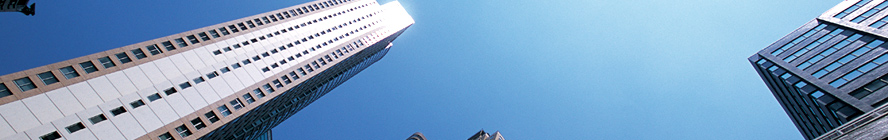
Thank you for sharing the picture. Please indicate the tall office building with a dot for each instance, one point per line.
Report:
(481, 135)
(830, 71)
(234, 80)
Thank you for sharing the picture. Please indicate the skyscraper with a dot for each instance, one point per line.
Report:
(233, 80)
(830, 71)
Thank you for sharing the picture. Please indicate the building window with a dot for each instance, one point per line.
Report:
(258, 21)
(153, 49)
(287, 79)
(211, 116)
(48, 78)
(277, 83)
(212, 75)
(183, 131)
(217, 52)
(250, 23)
(168, 45)
(268, 88)
(198, 124)
(204, 36)
(256, 58)
(199, 80)
(97, 118)
(274, 65)
(51, 136)
(154, 97)
(852, 8)
(170, 91)
(235, 65)
(258, 93)
(236, 46)
(106, 62)
(118, 111)
(166, 136)
(226, 49)
(181, 42)
(224, 110)
(69, 72)
(123, 58)
(75, 127)
(214, 34)
(225, 70)
(192, 39)
(242, 26)
(265, 69)
(309, 68)
(88, 67)
(246, 61)
(236, 104)
(4, 91)
(185, 85)
(248, 98)
(24, 84)
(139, 53)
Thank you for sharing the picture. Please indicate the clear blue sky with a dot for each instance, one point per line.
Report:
(534, 70)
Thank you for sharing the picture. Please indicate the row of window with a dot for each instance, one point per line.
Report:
(48, 78)
(860, 71)
(848, 58)
(270, 35)
(813, 45)
(806, 106)
(250, 97)
(798, 40)
(851, 9)
(870, 12)
(829, 51)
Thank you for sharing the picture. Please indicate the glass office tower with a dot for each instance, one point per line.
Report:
(233, 80)
(830, 71)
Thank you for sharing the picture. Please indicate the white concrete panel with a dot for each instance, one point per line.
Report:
(104, 88)
(194, 98)
(167, 67)
(153, 72)
(147, 118)
(232, 81)
(123, 84)
(85, 94)
(36, 132)
(66, 101)
(181, 63)
(161, 108)
(104, 130)
(221, 87)
(5, 129)
(207, 92)
(83, 134)
(137, 77)
(206, 57)
(179, 104)
(43, 108)
(19, 136)
(18, 116)
(194, 60)
(125, 121)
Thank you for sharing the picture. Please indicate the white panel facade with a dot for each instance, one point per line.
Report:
(83, 134)
(122, 83)
(5, 129)
(18, 116)
(36, 132)
(43, 108)
(104, 88)
(138, 77)
(85, 94)
(65, 101)
(103, 130)
(123, 121)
